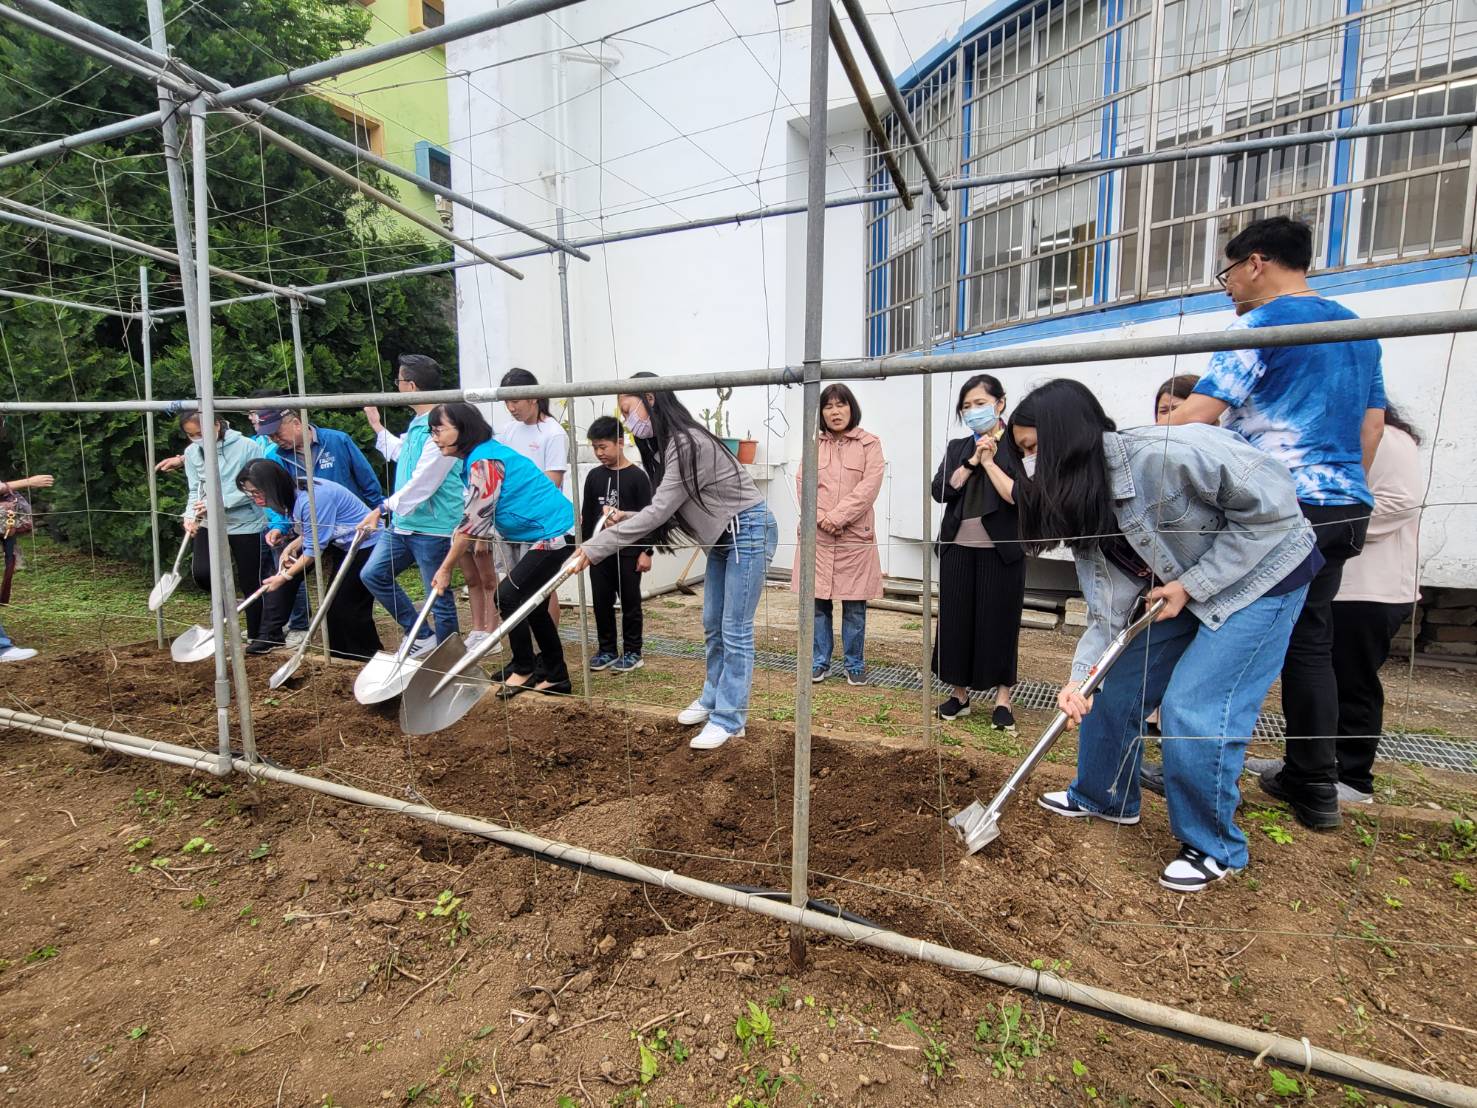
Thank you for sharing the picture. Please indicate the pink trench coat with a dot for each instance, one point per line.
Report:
(847, 566)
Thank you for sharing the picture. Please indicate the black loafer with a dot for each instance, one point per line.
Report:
(1151, 778)
(261, 646)
(507, 692)
(557, 688)
(1316, 806)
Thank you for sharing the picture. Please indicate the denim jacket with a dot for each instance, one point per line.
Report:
(1201, 506)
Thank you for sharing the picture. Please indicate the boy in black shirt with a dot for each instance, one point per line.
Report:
(618, 483)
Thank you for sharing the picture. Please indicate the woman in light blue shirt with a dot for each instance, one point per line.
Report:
(244, 520)
(351, 630)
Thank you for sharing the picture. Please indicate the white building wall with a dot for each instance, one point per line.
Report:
(679, 120)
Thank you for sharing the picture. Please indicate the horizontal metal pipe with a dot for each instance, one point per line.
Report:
(67, 227)
(69, 304)
(896, 365)
(108, 45)
(106, 133)
(117, 742)
(1158, 1018)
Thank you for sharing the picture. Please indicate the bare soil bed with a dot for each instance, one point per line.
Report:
(321, 953)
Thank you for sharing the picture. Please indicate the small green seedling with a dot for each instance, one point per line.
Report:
(137, 1033)
(756, 1027)
(1282, 1085)
(140, 844)
(198, 845)
(41, 954)
(259, 852)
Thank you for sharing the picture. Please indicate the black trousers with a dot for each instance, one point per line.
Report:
(979, 624)
(350, 618)
(534, 569)
(1362, 633)
(246, 556)
(617, 576)
(1310, 692)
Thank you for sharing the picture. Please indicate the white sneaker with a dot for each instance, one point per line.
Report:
(295, 639)
(1348, 794)
(694, 714)
(473, 638)
(423, 646)
(712, 736)
(17, 654)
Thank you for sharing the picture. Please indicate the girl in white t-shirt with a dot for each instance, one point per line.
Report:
(537, 435)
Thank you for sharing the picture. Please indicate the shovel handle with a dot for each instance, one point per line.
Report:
(1059, 724)
(420, 621)
(247, 603)
(184, 543)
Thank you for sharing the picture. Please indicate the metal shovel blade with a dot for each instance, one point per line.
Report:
(424, 711)
(976, 827)
(286, 670)
(195, 645)
(384, 677)
(163, 589)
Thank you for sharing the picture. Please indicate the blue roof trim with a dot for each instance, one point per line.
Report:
(1342, 283)
(934, 57)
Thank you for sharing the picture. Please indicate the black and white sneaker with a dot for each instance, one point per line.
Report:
(1063, 805)
(1191, 871)
(1002, 719)
(954, 708)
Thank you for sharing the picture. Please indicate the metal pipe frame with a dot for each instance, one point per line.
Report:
(270, 87)
(174, 172)
(52, 16)
(149, 417)
(925, 660)
(869, 113)
(223, 617)
(1148, 1015)
(775, 211)
(51, 223)
(81, 307)
(878, 59)
(815, 288)
(567, 328)
(302, 414)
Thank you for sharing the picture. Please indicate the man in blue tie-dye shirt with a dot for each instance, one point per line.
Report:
(1321, 410)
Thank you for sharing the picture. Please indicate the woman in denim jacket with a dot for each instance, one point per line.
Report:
(1211, 524)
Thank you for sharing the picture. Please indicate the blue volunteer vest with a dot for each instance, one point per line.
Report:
(530, 507)
(439, 513)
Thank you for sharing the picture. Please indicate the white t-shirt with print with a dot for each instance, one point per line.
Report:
(545, 443)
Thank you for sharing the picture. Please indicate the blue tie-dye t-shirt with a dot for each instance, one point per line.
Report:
(1303, 404)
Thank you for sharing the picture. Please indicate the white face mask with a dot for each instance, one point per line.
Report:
(1028, 463)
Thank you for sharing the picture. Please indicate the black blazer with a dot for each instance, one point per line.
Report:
(999, 517)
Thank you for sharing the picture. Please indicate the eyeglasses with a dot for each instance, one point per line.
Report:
(1220, 278)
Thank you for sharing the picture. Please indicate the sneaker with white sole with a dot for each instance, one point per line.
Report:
(627, 663)
(603, 660)
(473, 638)
(1348, 794)
(694, 714)
(423, 646)
(1063, 805)
(1191, 871)
(17, 654)
(711, 737)
(294, 639)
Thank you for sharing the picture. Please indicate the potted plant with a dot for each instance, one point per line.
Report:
(718, 422)
(748, 446)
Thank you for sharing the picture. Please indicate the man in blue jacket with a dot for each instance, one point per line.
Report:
(300, 449)
(423, 511)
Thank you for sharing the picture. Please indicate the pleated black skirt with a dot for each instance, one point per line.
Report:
(979, 623)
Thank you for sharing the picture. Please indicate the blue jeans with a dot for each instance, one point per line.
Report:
(1211, 685)
(5, 643)
(732, 585)
(853, 634)
(298, 620)
(392, 556)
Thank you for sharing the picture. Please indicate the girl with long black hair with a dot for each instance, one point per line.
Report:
(704, 497)
(1197, 516)
(982, 572)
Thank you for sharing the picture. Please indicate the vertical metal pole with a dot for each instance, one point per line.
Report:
(574, 451)
(815, 276)
(930, 328)
(175, 175)
(148, 325)
(302, 415)
(224, 620)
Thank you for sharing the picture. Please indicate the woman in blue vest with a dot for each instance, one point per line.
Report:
(509, 497)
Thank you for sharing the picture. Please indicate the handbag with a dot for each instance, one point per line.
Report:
(15, 514)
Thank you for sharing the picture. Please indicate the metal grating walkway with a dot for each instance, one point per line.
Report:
(1432, 751)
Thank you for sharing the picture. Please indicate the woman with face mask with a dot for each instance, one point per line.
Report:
(982, 574)
(702, 497)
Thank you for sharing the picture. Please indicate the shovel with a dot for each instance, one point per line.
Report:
(164, 587)
(386, 674)
(289, 667)
(979, 825)
(198, 643)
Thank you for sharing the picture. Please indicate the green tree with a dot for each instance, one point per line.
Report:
(270, 216)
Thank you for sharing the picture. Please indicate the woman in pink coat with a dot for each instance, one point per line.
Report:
(847, 567)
